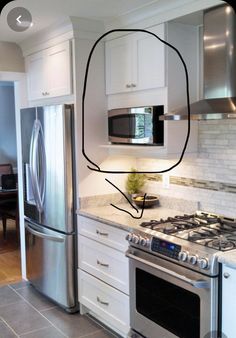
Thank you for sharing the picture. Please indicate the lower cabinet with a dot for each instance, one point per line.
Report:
(103, 273)
(107, 264)
(111, 305)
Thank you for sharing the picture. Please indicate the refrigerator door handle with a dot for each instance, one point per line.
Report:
(38, 189)
(43, 235)
(42, 178)
(31, 165)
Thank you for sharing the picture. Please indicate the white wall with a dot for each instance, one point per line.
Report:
(11, 58)
(95, 183)
(7, 124)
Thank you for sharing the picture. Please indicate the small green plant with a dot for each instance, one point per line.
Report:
(134, 182)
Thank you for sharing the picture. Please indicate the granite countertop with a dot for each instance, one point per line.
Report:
(120, 219)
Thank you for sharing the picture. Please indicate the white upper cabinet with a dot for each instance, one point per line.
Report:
(119, 65)
(135, 62)
(35, 75)
(150, 58)
(49, 72)
(59, 69)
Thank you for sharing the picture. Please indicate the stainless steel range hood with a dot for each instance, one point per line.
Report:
(219, 69)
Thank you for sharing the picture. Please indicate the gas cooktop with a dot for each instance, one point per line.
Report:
(190, 240)
(203, 228)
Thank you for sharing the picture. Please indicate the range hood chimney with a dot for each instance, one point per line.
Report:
(219, 101)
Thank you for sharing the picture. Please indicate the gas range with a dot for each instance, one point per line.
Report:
(189, 240)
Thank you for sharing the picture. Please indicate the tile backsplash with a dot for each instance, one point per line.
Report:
(210, 178)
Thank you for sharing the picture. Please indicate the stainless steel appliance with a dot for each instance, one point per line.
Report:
(174, 275)
(49, 202)
(219, 42)
(137, 125)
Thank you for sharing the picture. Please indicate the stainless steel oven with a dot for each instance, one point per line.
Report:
(168, 300)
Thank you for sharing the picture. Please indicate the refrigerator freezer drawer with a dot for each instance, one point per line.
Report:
(50, 263)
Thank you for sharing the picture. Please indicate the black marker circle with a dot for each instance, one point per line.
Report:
(95, 167)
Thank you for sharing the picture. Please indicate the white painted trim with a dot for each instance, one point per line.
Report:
(54, 32)
(31, 49)
(19, 80)
(157, 13)
(69, 99)
(11, 76)
(67, 29)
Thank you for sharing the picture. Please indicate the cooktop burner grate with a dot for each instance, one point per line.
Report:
(222, 245)
(202, 228)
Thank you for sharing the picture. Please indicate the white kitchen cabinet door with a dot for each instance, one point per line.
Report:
(105, 263)
(58, 75)
(49, 72)
(228, 301)
(135, 62)
(103, 233)
(149, 60)
(111, 305)
(35, 67)
(119, 54)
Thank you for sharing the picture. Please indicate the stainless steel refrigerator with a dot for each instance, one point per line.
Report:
(49, 201)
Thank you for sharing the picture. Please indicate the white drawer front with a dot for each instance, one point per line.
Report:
(103, 262)
(105, 301)
(103, 233)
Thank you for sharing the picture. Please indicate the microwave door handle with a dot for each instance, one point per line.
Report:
(200, 284)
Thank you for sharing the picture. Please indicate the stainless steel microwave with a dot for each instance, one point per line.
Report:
(137, 125)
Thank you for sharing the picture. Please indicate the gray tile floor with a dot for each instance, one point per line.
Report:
(27, 314)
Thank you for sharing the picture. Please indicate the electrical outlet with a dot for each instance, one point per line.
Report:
(166, 181)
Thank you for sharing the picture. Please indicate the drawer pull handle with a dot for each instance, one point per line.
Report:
(226, 275)
(102, 302)
(102, 264)
(102, 233)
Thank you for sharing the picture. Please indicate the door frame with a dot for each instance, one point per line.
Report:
(21, 101)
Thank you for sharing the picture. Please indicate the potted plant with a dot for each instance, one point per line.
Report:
(134, 182)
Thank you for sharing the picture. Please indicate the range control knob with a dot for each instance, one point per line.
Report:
(193, 259)
(183, 255)
(143, 241)
(135, 239)
(203, 263)
(129, 237)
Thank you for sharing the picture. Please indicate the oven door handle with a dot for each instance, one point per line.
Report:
(200, 284)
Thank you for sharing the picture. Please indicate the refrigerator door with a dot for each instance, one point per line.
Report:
(49, 198)
(58, 208)
(50, 263)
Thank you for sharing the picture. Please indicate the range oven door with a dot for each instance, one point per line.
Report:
(169, 301)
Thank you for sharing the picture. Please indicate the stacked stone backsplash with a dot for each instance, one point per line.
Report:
(210, 178)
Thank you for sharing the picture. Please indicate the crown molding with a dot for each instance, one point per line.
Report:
(66, 29)
(158, 12)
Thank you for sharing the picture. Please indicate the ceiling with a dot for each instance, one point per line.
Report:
(47, 12)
